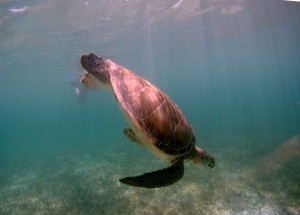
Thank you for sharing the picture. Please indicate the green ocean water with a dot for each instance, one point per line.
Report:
(231, 66)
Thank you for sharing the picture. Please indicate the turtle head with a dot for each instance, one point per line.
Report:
(199, 156)
(97, 71)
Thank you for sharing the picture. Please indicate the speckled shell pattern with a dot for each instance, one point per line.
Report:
(153, 112)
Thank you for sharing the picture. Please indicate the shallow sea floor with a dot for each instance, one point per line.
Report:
(84, 180)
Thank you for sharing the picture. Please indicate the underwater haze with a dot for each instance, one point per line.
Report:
(232, 66)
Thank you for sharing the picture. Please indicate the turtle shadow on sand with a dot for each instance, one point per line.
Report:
(155, 121)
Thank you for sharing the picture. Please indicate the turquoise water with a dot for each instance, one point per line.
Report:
(231, 66)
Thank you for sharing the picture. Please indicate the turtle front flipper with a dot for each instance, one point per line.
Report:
(131, 135)
(159, 178)
(88, 81)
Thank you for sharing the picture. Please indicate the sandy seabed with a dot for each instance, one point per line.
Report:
(86, 182)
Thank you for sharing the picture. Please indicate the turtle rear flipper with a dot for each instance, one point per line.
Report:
(159, 178)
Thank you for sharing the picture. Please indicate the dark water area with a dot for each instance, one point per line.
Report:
(231, 66)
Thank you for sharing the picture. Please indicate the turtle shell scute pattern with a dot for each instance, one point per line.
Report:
(157, 116)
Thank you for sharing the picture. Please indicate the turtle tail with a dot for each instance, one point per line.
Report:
(159, 178)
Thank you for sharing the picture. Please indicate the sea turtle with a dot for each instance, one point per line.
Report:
(155, 120)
